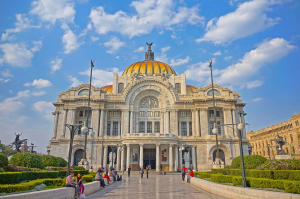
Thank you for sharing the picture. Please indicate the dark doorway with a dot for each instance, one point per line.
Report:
(222, 155)
(149, 158)
(78, 156)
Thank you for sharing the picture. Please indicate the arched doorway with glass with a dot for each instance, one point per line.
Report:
(221, 153)
(78, 156)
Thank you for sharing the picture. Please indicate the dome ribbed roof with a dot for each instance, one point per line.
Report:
(149, 67)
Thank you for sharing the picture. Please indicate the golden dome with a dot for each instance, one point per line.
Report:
(108, 88)
(190, 89)
(149, 65)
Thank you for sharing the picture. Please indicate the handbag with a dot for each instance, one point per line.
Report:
(82, 196)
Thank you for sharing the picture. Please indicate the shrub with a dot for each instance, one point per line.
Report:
(250, 161)
(61, 162)
(291, 186)
(266, 183)
(10, 177)
(30, 160)
(88, 178)
(3, 160)
(221, 178)
(1, 170)
(202, 174)
(50, 160)
(78, 168)
(47, 174)
(260, 174)
(281, 165)
(62, 173)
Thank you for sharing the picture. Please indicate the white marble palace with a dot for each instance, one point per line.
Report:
(151, 113)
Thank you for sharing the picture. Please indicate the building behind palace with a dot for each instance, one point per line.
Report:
(289, 130)
(151, 113)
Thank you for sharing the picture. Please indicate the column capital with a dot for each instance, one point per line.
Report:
(105, 145)
(171, 145)
(128, 145)
(141, 144)
(158, 144)
(227, 109)
(95, 108)
(203, 109)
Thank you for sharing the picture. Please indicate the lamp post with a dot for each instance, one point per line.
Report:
(215, 130)
(241, 127)
(86, 128)
(72, 129)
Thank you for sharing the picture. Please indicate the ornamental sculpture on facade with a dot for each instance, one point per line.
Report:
(280, 142)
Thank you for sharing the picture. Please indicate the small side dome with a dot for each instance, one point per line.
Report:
(108, 88)
(190, 89)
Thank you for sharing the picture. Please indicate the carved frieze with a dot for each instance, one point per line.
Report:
(149, 102)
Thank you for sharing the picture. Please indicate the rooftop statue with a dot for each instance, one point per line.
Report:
(18, 142)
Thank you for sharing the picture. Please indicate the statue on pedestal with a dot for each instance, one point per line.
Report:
(280, 142)
(18, 142)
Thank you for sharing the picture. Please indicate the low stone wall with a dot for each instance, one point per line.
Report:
(238, 192)
(61, 193)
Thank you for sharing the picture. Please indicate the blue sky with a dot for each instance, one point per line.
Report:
(46, 47)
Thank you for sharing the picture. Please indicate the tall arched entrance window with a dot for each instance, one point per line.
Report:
(78, 156)
(221, 153)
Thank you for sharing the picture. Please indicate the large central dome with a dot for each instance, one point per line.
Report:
(149, 65)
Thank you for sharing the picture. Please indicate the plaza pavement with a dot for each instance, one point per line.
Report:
(156, 186)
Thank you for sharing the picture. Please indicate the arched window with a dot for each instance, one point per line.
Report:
(84, 92)
(120, 87)
(178, 88)
(78, 156)
(210, 93)
(221, 153)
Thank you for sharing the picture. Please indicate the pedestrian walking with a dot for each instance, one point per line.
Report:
(160, 167)
(142, 172)
(139, 170)
(128, 170)
(147, 170)
(183, 173)
(123, 170)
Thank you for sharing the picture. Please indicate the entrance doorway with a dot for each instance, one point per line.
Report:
(78, 156)
(149, 158)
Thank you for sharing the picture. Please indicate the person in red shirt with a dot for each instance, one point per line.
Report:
(191, 174)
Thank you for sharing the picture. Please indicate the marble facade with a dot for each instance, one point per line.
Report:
(151, 113)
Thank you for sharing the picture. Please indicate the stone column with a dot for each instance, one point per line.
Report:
(203, 121)
(180, 159)
(74, 115)
(137, 130)
(105, 157)
(101, 156)
(141, 155)
(102, 123)
(125, 122)
(228, 131)
(95, 120)
(64, 124)
(170, 157)
(128, 157)
(176, 158)
(173, 122)
(162, 122)
(168, 122)
(118, 159)
(193, 157)
(234, 122)
(131, 121)
(157, 158)
(122, 157)
(55, 125)
(193, 123)
(197, 123)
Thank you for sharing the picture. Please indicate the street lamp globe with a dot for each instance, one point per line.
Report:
(215, 131)
(120, 148)
(241, 126)
(84, 129)
(182, 148)
(92, 133)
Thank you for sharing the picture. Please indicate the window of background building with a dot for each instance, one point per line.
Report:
(79, 129)
(216, 93)
(287, 150)
(80, 113)
(218, 113)
(120, 87)
(115, 129)
(157, 127)
(156, 114)
(108, 128)
(219, 127)
(149, 114)
(211, 113)
(291, 138)
(293, 149)
(183, 129)
(178, 88)
(142, 127)
(142, 114)
(190, 128)
(149, 127)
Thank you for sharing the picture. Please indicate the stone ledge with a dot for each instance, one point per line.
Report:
(60, 193)
(238, 192)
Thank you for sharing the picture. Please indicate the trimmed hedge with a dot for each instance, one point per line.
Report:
(25, 159)
(61, 162)
(49, 160)
(30, 185)
(88, 178)
(202, 174)
(3, 160)
(292, 186)
(221, 178)
(16, 177)
(250, 161)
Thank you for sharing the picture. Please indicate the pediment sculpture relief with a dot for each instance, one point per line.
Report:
(149, 102)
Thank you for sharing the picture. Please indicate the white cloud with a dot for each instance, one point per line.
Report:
(75, 81)
(55, 65)
(39, 83)
(70, 40)
(217, 53)
(20, 120)
(6, 73)
(21, 24)
(165, 49)
(38, 93)
(227, 58)
(231, 2)
(253, 84)
(10, 91)
(4, 80)
(140, 49)
(45, 107)
(83, 33)
(248, 19)
(173, 37)
(10, 105)
(102, 77)
(150, 14)
(177, 62)
(17, 54)
(50, 11)
(94, 38)
(257, 99)
(117, 57)
(114, 44)
(240, 73)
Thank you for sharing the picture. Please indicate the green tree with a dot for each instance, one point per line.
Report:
(25, 159)
(250, 161)
(7, 150)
